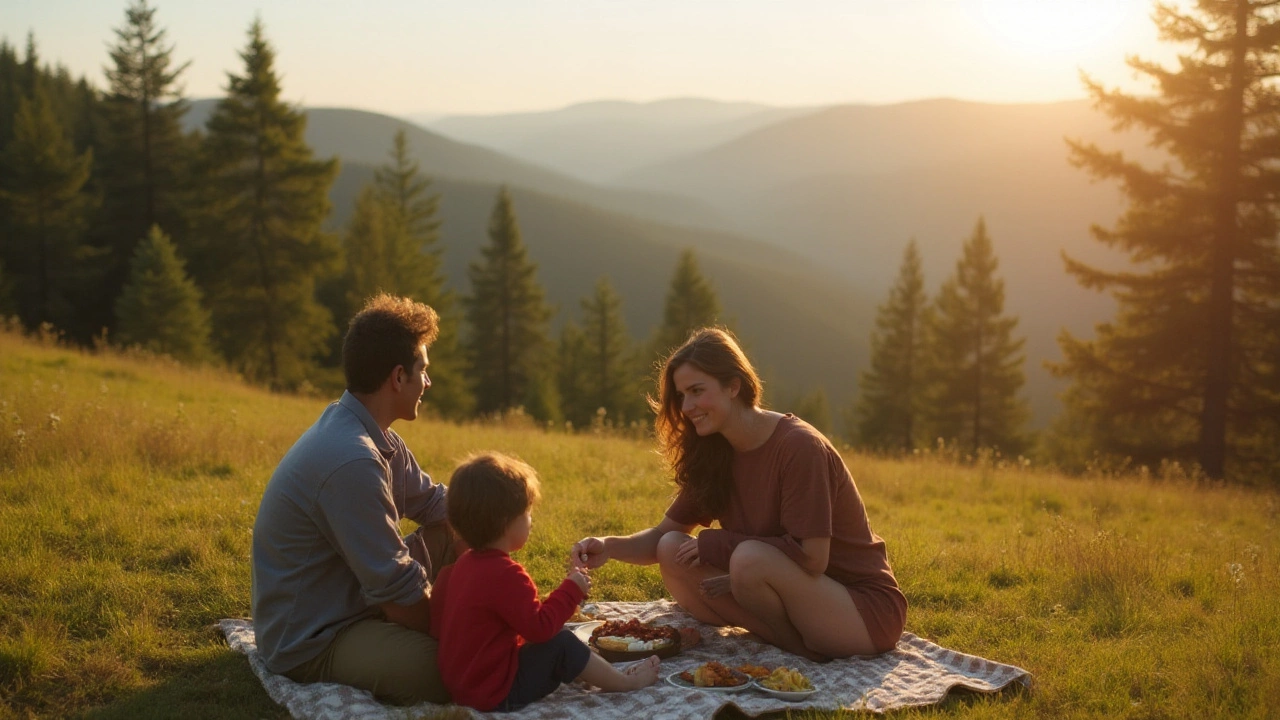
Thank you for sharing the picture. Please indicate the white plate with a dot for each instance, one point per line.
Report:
(583, 629)
(675, 679)
(782, 694)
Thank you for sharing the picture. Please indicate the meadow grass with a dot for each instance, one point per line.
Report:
(128, 488)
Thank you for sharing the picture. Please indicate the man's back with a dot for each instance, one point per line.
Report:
(326, 543)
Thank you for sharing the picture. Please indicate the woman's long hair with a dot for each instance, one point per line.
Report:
(702, 465)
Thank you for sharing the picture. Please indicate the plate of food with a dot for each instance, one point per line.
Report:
(582, 616)
(619, 641)
(712, 677)
(785, 684)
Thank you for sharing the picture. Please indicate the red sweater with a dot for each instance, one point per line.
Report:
(483, 608)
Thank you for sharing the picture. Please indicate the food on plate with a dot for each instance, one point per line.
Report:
(787, 680)
(633, 636)
(581, 615)
(755, 671)
(713, 674)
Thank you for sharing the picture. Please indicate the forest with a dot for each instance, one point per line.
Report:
(119, 226)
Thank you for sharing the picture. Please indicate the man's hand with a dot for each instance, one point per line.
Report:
(588, 553)
(580, 578)
(415, 617)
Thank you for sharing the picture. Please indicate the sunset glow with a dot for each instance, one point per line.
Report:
(1046, 27)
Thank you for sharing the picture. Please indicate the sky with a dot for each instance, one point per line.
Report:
(406, 57)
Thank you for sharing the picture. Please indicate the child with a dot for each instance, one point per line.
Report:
(500, 649)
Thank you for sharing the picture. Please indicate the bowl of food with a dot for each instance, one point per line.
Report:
(619, 641)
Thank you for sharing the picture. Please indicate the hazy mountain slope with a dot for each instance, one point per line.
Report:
(806, 328)
(600, 141)
(850, 186)
(365, 137)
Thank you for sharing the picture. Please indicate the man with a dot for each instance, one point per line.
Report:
(338, 595)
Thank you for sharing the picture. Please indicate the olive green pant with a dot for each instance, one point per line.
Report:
(395, 663)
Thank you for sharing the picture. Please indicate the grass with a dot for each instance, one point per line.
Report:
(128, 488)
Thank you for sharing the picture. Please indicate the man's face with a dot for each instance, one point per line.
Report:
(413, 382)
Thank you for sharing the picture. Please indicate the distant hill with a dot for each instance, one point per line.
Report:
(804, 327)
(849, 186)
(600, 141)
(365, 137)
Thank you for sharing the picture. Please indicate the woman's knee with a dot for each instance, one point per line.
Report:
(752, 559)
(669, 545)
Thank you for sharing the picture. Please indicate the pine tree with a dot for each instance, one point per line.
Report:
(1187, 369)
(367, 247)
(889, 402)
(608, 382)
(261, 249)
(814, 408)
(160, 307)
(418, 270)
(508, 319)
(691, 303)
(145, 156)
(572, 369)
(975, 365)
(47, 212)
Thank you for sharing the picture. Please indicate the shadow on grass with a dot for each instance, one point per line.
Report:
(957, 702)
(220, 685)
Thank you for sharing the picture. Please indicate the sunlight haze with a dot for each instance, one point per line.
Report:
(492, 56)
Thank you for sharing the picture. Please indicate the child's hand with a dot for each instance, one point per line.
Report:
(580, 578)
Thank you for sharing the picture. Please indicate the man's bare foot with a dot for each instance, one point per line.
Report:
(643, 673)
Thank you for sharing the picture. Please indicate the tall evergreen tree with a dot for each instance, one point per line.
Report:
(47, 209)
(1187, 369)
(890, 393)
(814, 408)
(262, 249)
(572, 369)
(975, 365)
(608, 382)
(508, 318)
(145, 157)
(367, 247)
(691, 303)
(160, 307)
(418, 270)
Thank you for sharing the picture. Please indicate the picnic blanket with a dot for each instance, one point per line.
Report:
(917, 672)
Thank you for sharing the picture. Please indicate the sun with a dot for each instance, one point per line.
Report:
(1055, 27)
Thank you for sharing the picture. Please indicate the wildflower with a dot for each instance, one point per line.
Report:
(21, 436)
(1236, 571)
(53, 421)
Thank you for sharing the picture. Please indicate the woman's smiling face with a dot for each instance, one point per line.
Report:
(703, 399)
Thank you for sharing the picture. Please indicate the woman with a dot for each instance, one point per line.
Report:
(794, 560)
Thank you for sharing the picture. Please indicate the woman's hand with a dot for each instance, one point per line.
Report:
(688, 553)
(588, 553)
(714, 587)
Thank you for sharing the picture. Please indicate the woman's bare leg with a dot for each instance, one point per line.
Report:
(809, 615)
(683, 582)
(685, 585)
(601, 674)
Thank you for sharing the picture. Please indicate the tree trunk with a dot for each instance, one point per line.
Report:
(1217, 381)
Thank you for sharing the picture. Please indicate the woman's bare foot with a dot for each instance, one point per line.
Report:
(643, 673)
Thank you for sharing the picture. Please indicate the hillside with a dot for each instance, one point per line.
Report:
(849, 186)
(601, 141)
(805, 328)
(130, 487)
(358, 136)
